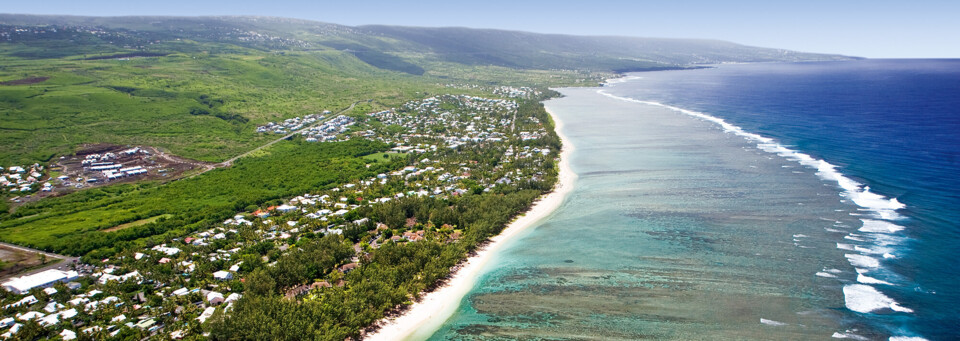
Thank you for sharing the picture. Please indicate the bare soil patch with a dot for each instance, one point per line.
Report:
(26, 81)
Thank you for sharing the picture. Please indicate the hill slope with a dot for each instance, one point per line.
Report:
(544, 51)
(383, 46)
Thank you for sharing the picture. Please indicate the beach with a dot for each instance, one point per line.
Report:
(425, 316)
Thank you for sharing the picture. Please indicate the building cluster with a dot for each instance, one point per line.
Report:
(109, 167)
(512, 92)
(331, 130)
(23, 178)
(448, 120)
(291, 124)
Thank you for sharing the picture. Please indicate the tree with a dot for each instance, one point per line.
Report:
(260, 283)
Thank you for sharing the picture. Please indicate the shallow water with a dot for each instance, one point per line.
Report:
(675, 229)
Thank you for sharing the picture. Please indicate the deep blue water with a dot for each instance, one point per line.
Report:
(893, 125)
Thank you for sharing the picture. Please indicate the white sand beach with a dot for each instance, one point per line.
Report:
(423, 318)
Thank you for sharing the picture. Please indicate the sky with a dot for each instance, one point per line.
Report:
(874, 29)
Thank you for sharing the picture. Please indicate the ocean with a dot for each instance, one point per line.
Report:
(751, 201)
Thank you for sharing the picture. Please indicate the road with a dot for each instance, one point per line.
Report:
(64, 264)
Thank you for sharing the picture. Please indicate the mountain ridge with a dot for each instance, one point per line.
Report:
(408, 48)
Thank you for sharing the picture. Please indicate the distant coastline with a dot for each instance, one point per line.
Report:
(424, 317)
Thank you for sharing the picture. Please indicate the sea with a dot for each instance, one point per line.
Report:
(780, 201)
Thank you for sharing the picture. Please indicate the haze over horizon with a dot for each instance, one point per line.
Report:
(878, 29)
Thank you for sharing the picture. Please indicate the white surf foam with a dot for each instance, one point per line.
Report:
(854, 238)
(843, 246)
(879, 226)
(864, 299)
(870, 280)
(848, 335)
(622, 79)
(907, 338)
(862, 261)
(826, 274)
(882, 207)
(772, 322)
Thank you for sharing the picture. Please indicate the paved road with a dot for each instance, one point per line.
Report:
(64, 264)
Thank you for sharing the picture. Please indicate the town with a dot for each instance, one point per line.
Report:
(445, 147)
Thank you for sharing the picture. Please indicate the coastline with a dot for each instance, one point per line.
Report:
(424, 317)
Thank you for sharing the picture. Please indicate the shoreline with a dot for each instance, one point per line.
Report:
(424, 317)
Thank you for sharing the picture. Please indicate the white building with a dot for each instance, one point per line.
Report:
(223, 275)
(43, 279)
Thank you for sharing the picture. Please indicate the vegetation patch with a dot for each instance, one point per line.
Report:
(138, 222)
(129, 55)
(384, 156)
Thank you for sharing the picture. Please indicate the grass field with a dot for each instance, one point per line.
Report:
(200, 106)
(384, 156)
(138, 222)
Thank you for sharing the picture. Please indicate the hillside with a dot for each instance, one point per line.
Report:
(381, 45)
(67, 80)
(533, 50)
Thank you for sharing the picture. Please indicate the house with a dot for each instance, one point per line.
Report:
(52, 307)
(30, 315)
(69, 313)
(50, 320)
(122, 278)
(170, 251)
(223, 275)
(232, 297)
(206, 314)
(348, 267)
(67, 334)
(146, 324)
(413, 236)
(214, 298)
